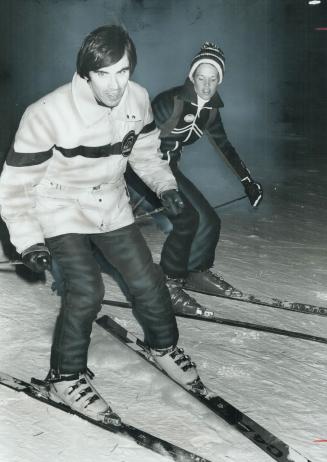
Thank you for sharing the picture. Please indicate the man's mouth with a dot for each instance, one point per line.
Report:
(113, 94)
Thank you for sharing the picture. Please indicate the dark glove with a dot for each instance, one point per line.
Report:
(253, 191)
(37, 258)
(172, 202)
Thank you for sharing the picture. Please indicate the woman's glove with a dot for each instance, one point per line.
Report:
(253, 190)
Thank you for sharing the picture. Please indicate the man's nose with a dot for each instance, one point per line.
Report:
(112, 83)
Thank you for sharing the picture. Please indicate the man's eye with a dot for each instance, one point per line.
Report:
(101, 74)
(123, 71)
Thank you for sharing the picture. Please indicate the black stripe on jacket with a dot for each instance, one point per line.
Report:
(20, 159)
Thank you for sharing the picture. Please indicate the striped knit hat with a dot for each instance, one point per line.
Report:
(209, 54)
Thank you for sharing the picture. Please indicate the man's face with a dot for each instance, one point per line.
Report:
(109, 83)
(205, 80)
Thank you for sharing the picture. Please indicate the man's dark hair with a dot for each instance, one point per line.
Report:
(103, 47)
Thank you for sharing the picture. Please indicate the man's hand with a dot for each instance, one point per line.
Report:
(253, 191)
(37, 258)
(172, 202)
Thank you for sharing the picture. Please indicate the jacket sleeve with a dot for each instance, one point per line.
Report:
(146, 157)
(25, 164)
(163, 108)
(163, 112)
(218, 137)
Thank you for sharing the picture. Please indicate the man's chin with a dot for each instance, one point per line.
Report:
(110, 102)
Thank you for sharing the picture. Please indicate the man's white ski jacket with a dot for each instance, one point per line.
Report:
(65, 170)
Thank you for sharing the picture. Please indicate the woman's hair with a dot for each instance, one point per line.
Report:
(103, 47)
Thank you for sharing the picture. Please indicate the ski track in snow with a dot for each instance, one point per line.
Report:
(280, 382)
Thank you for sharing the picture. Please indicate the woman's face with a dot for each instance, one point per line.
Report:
(205, 80)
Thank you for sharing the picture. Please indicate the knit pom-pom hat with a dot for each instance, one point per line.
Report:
(209, 54)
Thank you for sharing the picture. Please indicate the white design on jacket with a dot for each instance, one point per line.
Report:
(76, 193)
(192, 127)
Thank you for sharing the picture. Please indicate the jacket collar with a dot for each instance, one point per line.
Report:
(187, 93)
(92, 112)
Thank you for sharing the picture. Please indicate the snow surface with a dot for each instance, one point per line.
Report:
(278, 250)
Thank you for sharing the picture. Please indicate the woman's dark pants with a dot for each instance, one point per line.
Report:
(191, 244)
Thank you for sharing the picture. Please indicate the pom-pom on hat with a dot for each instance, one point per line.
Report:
(209, 54)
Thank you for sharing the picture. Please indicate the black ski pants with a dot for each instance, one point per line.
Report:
(191, 244)
(83, 291)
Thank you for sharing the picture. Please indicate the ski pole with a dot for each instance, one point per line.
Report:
(138, 203)
(11, 262)
(229, 202)
(148, 214)
(161, 209)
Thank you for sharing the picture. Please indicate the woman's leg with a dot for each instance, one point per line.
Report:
(205, 240)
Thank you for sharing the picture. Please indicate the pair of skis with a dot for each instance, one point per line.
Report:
(261, 437)
(265, 440)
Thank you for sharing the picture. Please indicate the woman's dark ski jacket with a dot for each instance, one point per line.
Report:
(182, 121)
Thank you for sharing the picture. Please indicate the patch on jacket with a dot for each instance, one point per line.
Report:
(128, 143)
(189, 118)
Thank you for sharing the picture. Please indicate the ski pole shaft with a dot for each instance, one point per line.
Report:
(229, 202)
(11, 262)
(138, 203)
(148, 214)
(161, 209)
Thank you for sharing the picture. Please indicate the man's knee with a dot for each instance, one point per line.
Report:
(148, 283)
(85, 291)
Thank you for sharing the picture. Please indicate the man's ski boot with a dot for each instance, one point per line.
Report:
(77, 392)
(210, 283)
(182, 302)
(179, 367)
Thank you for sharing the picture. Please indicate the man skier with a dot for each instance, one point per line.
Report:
(183, 114)
(62, 193)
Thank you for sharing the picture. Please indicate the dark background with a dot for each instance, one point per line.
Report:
(274, 88)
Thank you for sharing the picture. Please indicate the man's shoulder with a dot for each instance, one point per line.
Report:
(56, 99)
(137, 90)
